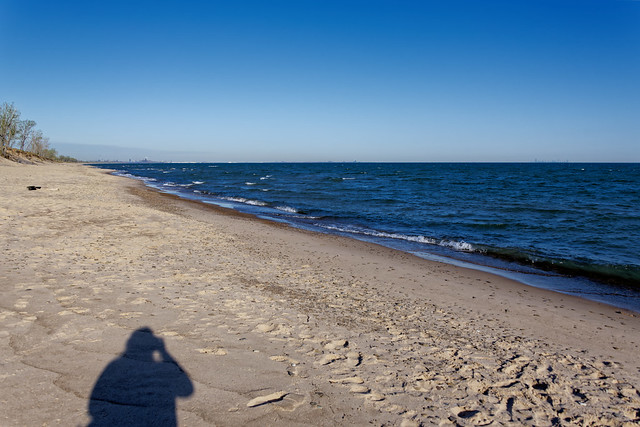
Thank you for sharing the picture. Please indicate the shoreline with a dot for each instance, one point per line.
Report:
(559, 279)
(351, 332)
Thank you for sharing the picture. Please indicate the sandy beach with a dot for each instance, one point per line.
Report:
(122, 304)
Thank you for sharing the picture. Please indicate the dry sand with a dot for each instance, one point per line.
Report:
(263, 324)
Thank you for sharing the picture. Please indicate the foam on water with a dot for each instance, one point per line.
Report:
(245, 201)
(287, 209)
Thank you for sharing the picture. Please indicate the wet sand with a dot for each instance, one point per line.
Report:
(256, 323)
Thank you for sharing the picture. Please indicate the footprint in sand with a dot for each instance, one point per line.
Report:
(213, 351)
(359, 389)
(330, 358)
(284, 359)
(354, 359)
(21, 304)
(265, 328)
(349, 380)
(336, 345)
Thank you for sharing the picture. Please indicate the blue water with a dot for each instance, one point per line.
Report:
(573, 228)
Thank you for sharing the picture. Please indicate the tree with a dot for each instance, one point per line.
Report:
(67, 159)
(25, 129)
(9, 118)
(50, 153)
(23, 134)
(38, 143)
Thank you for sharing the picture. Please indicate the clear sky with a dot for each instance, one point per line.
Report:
(324, 80)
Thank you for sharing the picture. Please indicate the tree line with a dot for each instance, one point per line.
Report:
(23, 135)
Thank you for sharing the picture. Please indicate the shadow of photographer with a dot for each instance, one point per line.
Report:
(140, 387)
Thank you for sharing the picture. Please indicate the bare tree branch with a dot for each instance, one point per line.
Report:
(9, 118)
(25, 129)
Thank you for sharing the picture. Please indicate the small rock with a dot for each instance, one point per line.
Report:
(273, 397)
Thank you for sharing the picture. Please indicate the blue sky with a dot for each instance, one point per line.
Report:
(304, 80)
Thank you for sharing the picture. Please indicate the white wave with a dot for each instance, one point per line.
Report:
(334, 228)
(198, 182)
(127, 175)
(255, 203)
(287, 209)
(173, 184)
(249, 183)
(459, 246)
(245, 201)
(419, 239)
(235, 199)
